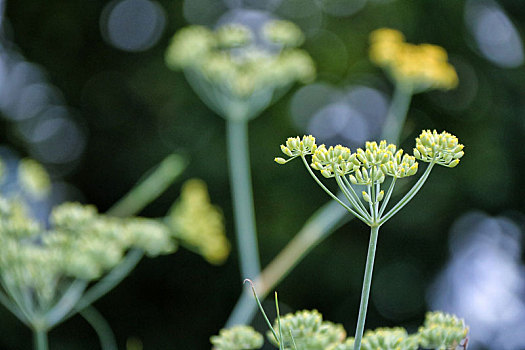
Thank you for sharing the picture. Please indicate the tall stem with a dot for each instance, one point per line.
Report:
(241, 187)
(40, 339)
(397, 113)
(374, 231)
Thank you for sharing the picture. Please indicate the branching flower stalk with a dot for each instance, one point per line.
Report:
(368, 169)
(238, 73)
(412, 69)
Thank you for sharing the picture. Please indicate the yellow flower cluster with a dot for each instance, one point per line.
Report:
(237, 338)
(383, 339)
(80, 244)
(442, 331)
(443, 148)
(229, 58)
(199, 224)
(309, 331)
(419, 67)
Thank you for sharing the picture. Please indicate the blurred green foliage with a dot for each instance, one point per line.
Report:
(137, 111)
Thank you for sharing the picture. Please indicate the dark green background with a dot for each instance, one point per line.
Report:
(136, 112)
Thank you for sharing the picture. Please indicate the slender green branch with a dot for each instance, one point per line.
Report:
(410, 194)
(40, 339)
(101, 327)
(387, 196)
(367, 281)
(349, 185)
(66, 303)
(353, 200)
(241, 187)
(320, 225)
(397, 113)
(330, 193)
(149, 188)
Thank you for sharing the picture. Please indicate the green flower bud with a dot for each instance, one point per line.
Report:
(443, 149)
(283, 32)
(237, 338)
(380, 195)
(279, 160)
(295, 146)
(33, 178)
(309, 331)
(234, 35)
(366, 197)
(441, 331)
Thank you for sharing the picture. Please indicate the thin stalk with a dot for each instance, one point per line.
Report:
(387, 196)
(410, 194)
(353, 200)
(4, 299)
(241, 187)
(149, 188)
(397, 113)
(40, 339)
(108, 282)
(367, 281)
(349, 185)
(101, 327)
(330, 193)
(319, 226)
(66, 303)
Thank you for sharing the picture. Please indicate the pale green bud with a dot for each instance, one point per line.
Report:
(189, 47)
(33, 178)
(380, 195)
(234, 35)
(443, 148)
(366, 197)
(237, 338)
(442, 331)
(309, 331)
(283, 32)
(279, 160)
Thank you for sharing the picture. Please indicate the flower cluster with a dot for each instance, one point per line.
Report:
(421, 67)
(443, 148)
(237, 338)
(309, 331)
(79, 244)
(231, 58)
(199, 224)
(442, 331)
(383, 339)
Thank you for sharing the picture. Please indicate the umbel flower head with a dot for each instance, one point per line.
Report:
(309, 331)
(442, 331)
(237, 338)
(199, 224)
(419, 67)
(442, 148)
(234, 64)
(81, 243)
(383, 339)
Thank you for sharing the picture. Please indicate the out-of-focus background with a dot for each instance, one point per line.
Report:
(84, 90)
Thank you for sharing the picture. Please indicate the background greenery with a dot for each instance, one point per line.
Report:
(135, 111)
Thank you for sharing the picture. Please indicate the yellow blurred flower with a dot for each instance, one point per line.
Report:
(200, 224)
(419, 67)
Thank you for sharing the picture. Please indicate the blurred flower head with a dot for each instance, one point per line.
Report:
(417, 67)
(237, 338)
(199, 224)
(234, 63)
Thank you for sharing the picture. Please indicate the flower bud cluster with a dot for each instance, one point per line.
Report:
(422, 67)
(237, 338)
(443, 148)
(79, 244)
(334, 160)
(400, 165)
(33, 178)
(372, 160)
(295, 147)
(230, 58)
(442, 331)
(309, 331)
(198, 223)
(383, 339)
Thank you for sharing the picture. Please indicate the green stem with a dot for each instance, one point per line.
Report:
(108, 282)
(149, 188)
(410, 194)
(4, 299)
(349, 185)
(101, 327)
(397, 113)
(40, 339)
(353, 200)
(324, 221)
(387, 196)
(241, 187)
(330, 193)
(367, 281)
(66, 303)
